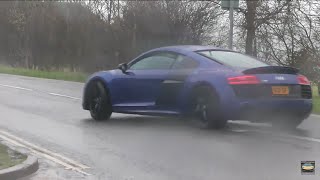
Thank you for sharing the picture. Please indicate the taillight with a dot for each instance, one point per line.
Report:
(247, 79)
(303, 80)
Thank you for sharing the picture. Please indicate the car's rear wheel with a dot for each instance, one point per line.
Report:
(99, 104)
(207, 109)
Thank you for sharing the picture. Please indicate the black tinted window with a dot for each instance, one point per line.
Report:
(233, 59)
(184, 62)
(157, 61)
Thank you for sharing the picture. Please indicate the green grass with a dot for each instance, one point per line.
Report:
(316, 100)
(67, 76)
(316, 105)
(9, 158)
(315, 91)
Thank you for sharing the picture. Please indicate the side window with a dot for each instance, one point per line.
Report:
(156, 61)
(184, 62)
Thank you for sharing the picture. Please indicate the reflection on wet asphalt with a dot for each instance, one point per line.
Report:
(143, 147)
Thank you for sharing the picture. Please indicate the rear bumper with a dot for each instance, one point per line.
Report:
(264, 109)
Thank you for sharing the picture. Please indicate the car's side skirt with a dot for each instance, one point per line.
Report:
(150, 112)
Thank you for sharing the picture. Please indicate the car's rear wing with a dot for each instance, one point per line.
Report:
(272, 70)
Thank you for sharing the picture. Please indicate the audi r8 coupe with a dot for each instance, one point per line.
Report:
(209, 84)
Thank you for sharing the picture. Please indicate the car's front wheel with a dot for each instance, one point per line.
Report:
(99, 104)
(207, 110)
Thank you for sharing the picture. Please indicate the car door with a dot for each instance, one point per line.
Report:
(140, 84)
(172, 87)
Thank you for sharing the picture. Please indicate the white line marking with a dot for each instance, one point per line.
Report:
(305, 138)
(35, 152)
(288, 136)
(315, 115)
(251, 124)
(55, 157)
(16, 87)
(239, 130)
(41, 149)
(273, 133)
(66, 96)
(53, 94)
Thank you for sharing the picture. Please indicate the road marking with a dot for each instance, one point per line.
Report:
(288, 136)
(248, 123)
(305, 138)
(16, 87)
(239, 130)
(315, 115)
(53, 94)
(55, 157)
(66, 96)
(311, 139)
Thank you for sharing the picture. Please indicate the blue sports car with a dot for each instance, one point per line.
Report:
(209, 84)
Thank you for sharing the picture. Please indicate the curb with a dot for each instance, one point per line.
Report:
(27, 167)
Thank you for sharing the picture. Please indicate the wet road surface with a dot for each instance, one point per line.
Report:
(143, 147)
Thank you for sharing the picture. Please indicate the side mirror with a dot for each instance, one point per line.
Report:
(123, 67)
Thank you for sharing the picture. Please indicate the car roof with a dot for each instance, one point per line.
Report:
(189, 48)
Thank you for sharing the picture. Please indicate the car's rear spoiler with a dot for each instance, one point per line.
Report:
(272, 70)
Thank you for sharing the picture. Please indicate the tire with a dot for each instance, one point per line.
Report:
(99, 103)
(207, 110)
(287, 122)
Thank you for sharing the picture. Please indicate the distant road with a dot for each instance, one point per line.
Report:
(48, 113)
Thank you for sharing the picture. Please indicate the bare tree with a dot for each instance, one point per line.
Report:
(257, 13)
(97, 35)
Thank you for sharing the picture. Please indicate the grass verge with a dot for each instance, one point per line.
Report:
(9, 158)
(67, 76)
(316, 105)
(316, 100)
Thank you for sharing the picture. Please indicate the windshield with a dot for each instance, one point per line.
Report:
(233, 59)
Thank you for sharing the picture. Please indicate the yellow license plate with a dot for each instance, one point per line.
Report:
(280, 90)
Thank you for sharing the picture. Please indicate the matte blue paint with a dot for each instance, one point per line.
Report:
(136, 91)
